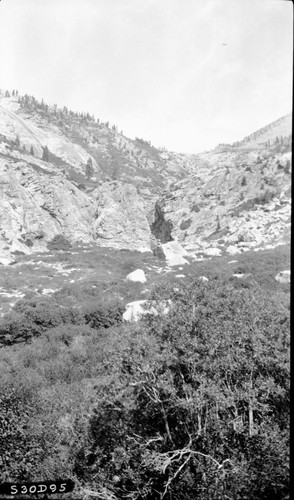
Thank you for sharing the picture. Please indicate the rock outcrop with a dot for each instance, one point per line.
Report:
(37, 203)
(119, 219)
(139, 308)
(284, 277)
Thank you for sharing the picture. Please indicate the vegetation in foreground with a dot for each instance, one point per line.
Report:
(189, 405)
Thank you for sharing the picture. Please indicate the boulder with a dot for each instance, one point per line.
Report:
(5, 261)
(232, 250)
(135, 310)
(213, 252)
(242, 275)
(174, 253)
(284, 277)
(137, 275)
(203, 279)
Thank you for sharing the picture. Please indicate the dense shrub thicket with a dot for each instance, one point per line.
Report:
(189, 405)
(31, 318)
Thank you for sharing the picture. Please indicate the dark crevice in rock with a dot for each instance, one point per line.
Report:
(161, 228)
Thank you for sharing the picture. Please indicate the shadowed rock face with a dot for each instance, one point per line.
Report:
(161, 228)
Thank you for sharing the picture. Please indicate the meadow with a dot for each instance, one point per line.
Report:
(193, 404)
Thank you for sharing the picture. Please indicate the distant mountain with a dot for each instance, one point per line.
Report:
(66, 173)
(270, 133)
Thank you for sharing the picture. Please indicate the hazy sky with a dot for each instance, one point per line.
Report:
(158, 69)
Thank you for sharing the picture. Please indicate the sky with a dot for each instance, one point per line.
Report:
(184, 74)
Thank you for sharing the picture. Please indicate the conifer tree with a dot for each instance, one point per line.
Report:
(89, 168)
(45, 155)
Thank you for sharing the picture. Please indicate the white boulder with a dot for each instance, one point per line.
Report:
(203, 279)
(137, 275)
(213, 252)
(284, 277)
(135, 310)
(5, 261)
(232, 250)
(174, 253)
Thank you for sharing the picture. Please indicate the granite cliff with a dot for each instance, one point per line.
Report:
(64, 173)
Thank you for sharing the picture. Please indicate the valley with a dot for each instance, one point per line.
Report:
(187, 402)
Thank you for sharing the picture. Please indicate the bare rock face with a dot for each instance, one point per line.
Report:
(240, 198)
(37, 203)
(119, 219)
(35, 131)
(230, 199)
(36, 206)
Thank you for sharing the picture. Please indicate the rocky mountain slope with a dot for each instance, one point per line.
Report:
(65, 173)
(74, 137)
(239, 198)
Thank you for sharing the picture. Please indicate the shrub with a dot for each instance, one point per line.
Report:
(29, 243)
(159, 253)
(265, 197)
(16, 328)
(31, 318)
(21, 451)
(45, 316)
(196, 402)
(287, 167)
(103, 315)
(185, 224)
(59, 242)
